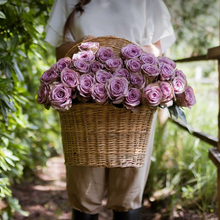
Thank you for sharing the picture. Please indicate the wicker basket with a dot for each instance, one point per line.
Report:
(105, 136)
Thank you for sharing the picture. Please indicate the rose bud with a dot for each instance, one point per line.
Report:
(150, 70)
(134, 65)
(70, 77)
(50, 76)
(95, 66)
(130, 51)
(167, 93)
(102, 76)
(123, 73)
(92, 46)
(137, 80)
(86, 82)
(84, 55)
(133, 99)
(117, 89)
(148, 58)
(179, 84)
(99, 93)
(151, 95)
(104, 54)
(43, 95)
(114, 64)
(167, 61)
(81, 66)
(166, 72)
(63, 63)
(187, 98)
(60, 97)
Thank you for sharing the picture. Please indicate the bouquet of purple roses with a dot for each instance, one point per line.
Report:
(129, 79)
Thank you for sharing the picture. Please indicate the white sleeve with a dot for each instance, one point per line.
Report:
(55, 24)
(158, 25)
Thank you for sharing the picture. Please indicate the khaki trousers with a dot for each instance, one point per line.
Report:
(86, 186)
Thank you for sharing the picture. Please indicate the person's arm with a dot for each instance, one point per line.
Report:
(154, 48)
(63, 49)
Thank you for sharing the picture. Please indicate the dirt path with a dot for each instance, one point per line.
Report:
(45, 198)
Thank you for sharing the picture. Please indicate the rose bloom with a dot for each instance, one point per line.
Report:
(187, 98)
(99, 93)
(130, 51)
(148, 58)
(179, 84)
(102, 76)
(43, 95)
(152, 95)
(122, 72)
(137, 80)
(92, 46)
(81, 66)
(133, 99)
(166, 72)
(104, 54)
(60, 97)
(84, 55)
(150, 70)
(63, 63)
(181, 74)
(134, 65)
(117, 89)
(69, 77)
(86, 82)
(167, 94)
(114, 64)
(50, 76)
(167, 61)
(95, 66)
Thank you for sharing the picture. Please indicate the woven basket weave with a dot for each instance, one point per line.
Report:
(105, 136)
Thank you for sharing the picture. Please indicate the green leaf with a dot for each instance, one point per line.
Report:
(17, 70)
(173, 111)
(2, 15)
(2, 2)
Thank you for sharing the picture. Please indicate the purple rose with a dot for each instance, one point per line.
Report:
(179, 84)
(43, 95)
(187, 98)
(50, 76)
(95, 66)
(81, 66)
(92, 46)
(151, 95)
(133, 99)
(181, 74)
(167, 93)
(167, 61)
(102, 76)
(130, 51)
(84, 55)
(134, 65)
(99, 93)
(86, 82)
(117, 89)
(70, 77)
(114, 64)
(166, 72)
(60, 97)
(104, 54)
(148, 58)
(150, 70)
(122, 72)
(63, 63)
(137, 80)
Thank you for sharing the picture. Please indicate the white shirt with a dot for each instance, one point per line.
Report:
(142, 22)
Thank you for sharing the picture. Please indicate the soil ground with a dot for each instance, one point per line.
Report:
(45, 198)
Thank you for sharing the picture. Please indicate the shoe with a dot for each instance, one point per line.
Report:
(130, 215)
(77, 215)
